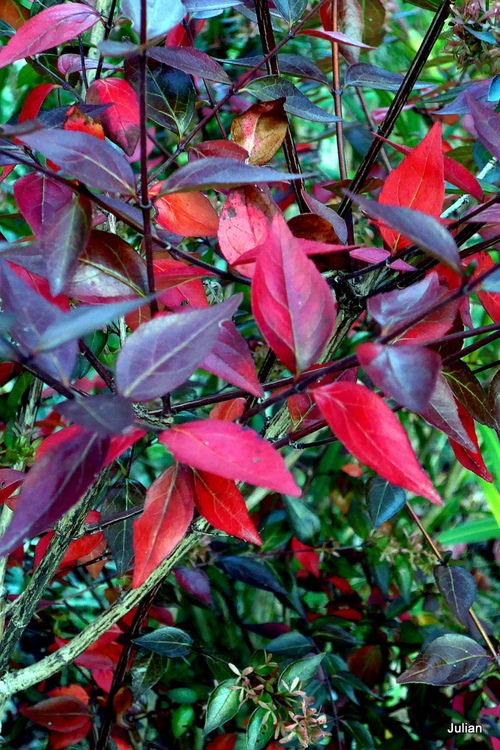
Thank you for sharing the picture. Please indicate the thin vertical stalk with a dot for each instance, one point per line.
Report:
(145, 204)
(337, 98)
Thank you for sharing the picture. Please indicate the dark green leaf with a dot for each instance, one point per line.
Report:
(291, 10)
(251, 572)
(167, 641)
(121, 498)
(364, 74)
(147, 670)
(303, 670)
(304, 522)
(222, 705)
(448, 660)
(269, 88)
(290, 644)
(383, 500)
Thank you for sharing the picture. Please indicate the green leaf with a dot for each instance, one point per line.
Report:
(168, 641)
(303, 669)
(290, 644)
(471, 532)
(182, 718)
(269, 88)
(147, 670)
(447, 660)
(304, 522)
(182, 695)
(259, 731)
(291, 10)
(222, 705)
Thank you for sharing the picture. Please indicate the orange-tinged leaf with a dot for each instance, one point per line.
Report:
(244, 224)
(219, 501)
(53, 26)
(228, 410)
(77, 120)
(13, 13)
(187, 214)
(292, 303)
(372, 433)
(232, 451)
(417, 183)
(167, 514)
(261, 130)
(121, 120)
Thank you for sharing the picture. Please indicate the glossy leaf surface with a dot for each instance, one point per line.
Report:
(447, 660)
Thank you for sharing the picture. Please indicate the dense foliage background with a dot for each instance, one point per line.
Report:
(249, 374)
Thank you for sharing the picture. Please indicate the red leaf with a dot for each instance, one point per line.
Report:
(14, 13)
(220, 149)
(10, 480)
(231, 359)
(489, 300)
(187, 214)
(292, 303)
(34, 100)
(222, 504)
(167, 514)
(63, 713)
(228, 410)
(244, 224)
(53, 26)
(121, 120)
(418, 183)
(306, 557)
(363, 422)
(232, 451)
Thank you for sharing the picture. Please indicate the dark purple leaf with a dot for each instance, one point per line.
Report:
(161, 17)
(168, 641)
(195, 582)
(392, 308)
(32, 316)
(270, 88)
(53, 485)
(252, 572)
(405, 373)
(124, 211)
(25, 254)
(162, 353)
(106, 413)
(364, 74)
(448, 660)
(213, 172)
(337, 222)
(85, 319)
(170, 93)
(55, 118)
(63, 240)
(90, 160)
(192, 61)
(231, 359)
(442, 413)
(292, 65)
(383, 499)
(422, 229)
(487, 125)
(458, 588)
(459, 106)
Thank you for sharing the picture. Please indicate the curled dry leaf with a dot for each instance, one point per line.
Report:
(261, 130)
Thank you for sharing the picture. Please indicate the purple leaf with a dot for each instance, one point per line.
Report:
(332, 217)
(377, 255)
(106, 414)
(192, 61)
(195, 582)
(162, 353)
(447, 660)
(161, 17)
(487, 125)
(90, 160)
(53, 485)
(292, 65)
(270, 88)
(407, 374)
(422, 229)
(392, 308)
(442, 413)
(364, 74)
(85, 319)
(221, 173)
(25, 254)
(458, 588)
(231, 359)
(459, 106)
(32, 316)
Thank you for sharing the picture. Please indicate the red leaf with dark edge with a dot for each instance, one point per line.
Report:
(369, 430)
(90, 160)
(244, 224)
(53, 26)
(442, 413)
(192, 61)
(306, 557)
(232, 360)
(221, 149)
(212, 172)
(186, 214)
(32, 316)
(167, 514)
(486, 123)
(232, 451)
(108, 269)
(447, 660)
(162, 353)
(405, 373)
(471, 458)
(121, 120)
(219, 501)
(334, 36)
(419, 228)
(62, 713)
(54, 484)
(195, 582)
(34, 100)
(292, 303)
(10, 480)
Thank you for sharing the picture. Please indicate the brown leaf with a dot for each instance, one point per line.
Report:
(261, 130)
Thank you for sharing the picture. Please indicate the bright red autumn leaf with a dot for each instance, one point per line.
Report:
(53, 26)
(62, 713)
(372, 433)
(292, 303)
(187, 214)
(121, 120)
(418, 183)
(167, 514)
(228, 410)
(471, 458)
(308, 558)
(35, 99)
(219, 501)
(232, 451)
